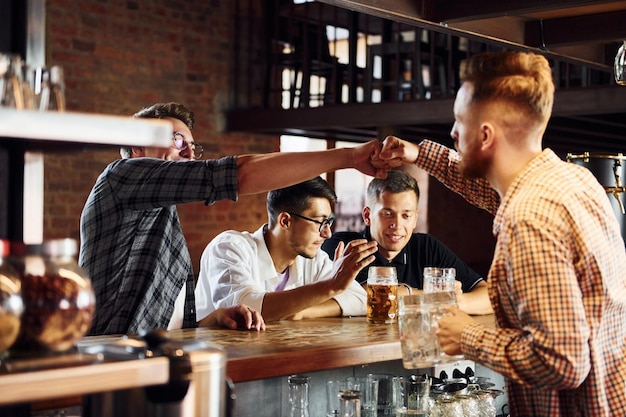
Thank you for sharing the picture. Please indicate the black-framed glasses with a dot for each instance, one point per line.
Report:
(326, 222)
(181, 143)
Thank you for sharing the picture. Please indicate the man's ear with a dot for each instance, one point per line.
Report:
(366, 215)
(488, 135)
(284, 219)
(138, 151)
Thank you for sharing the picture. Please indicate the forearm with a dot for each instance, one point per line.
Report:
(329, 308)
(442, 163)
(475, 302)
(282, 304)
(260, 173)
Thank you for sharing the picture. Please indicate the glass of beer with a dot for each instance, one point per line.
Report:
(382, 294)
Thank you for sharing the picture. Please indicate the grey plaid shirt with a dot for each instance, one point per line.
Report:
(132, 244)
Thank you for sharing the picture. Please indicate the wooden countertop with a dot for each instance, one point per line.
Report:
(284, 348)
(69, 381)
(288, 347)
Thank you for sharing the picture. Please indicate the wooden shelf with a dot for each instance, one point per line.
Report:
(47, 129)
(79, 380)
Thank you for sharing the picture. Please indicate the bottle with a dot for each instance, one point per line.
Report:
(349, 403)
(299, 395)
(11, 304)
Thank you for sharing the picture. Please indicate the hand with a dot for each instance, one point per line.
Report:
(349, 262)
(458, 288)
(395, 152)
(238, 317)
(365, 159)
(450, 329)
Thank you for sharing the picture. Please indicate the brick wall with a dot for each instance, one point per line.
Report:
(121, 55)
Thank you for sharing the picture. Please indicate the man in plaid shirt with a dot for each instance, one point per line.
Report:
(132, 245)
(557, 282)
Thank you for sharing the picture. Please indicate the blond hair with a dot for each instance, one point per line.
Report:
(522, 79)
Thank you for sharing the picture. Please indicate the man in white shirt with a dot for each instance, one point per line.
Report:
(280, 270)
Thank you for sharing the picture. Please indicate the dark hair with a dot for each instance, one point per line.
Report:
(296, 198)
(161, 111)
(396, 182)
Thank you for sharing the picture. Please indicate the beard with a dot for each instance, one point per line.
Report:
(302, 250)
(473, 163)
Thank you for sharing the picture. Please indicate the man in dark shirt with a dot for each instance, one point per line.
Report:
(390, 217)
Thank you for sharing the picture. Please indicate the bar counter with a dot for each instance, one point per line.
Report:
(288, 347)
(257, 362)
(330, 348)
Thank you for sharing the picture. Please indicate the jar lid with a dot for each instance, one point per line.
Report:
(60, 247)
(299, 379)
(23, 249)
(349, 394)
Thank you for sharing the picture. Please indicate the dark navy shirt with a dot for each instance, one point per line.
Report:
(422, 250)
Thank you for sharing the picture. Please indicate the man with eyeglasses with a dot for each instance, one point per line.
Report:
(132, 245)
(390, 218)
(279, 269)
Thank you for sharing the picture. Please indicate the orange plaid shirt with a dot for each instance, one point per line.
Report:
(557, 284)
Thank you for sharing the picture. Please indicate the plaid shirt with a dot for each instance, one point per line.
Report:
(557, 285)
(132, 245)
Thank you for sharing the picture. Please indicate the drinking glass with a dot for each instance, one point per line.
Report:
(49, 88)
(439, 283)
(382, 294)
(385, 397)
(412, 396)
(333, 387)
(11, 81)
(369, 393)
(420, 348)
(439, 279)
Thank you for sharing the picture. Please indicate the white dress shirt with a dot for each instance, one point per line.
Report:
(236, 267)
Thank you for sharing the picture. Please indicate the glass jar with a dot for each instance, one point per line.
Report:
(299, 395)
(349, 403)
(11, 304)
(59, 301)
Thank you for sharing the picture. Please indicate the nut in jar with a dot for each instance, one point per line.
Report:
(58, 297)
(11, 305)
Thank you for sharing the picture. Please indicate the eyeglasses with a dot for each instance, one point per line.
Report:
(326, 222)
(181, 144)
